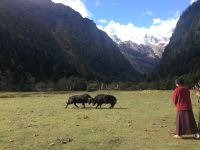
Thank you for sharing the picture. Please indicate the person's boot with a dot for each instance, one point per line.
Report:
(197, 136)
(177, 136)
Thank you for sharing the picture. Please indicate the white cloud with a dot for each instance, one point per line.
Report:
(77, 5)
(147, 13)
(192, 1)
(102, 20)
(177, 14)
(156, 21)
(163, 29)
(100, 27)
(160, 29)
(97, 3)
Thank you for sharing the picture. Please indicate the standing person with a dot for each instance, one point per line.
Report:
(198, 94)
(198, 89)
(185, 122)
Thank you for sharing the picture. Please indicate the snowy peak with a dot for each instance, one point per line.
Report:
(141, 57)
(155, 41)
(158, 45)
(156, 35)
(116, 39)
(147, 43)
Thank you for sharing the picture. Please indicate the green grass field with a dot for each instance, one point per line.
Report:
(141, 120)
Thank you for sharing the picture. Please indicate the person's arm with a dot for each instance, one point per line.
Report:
(175, 97)
(198, 93)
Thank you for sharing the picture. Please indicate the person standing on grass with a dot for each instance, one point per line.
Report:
(198, 94)
(185, 122)
(198, 89)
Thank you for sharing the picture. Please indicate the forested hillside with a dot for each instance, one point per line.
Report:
(182, 55)
(42, 44)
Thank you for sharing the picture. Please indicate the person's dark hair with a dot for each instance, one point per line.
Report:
(199, 82)
(179, 81)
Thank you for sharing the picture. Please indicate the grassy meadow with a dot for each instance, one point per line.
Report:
(141, 120)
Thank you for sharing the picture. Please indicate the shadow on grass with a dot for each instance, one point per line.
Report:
(189, 138)
(86, 108)
(111, 108)
(15, 95)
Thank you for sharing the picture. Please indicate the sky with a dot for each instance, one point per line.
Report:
(132, 19)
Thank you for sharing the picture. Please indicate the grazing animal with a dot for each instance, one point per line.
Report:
(103, 99)
(85, 98)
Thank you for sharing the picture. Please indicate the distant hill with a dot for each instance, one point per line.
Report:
(46, 42)
(182, 55)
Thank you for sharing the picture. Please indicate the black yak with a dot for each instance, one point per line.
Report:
(103, 99)
(85, 98)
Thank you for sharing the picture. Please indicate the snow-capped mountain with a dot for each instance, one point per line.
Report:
(141, 57)
(157, 45)
(152, 39)
(145, 55)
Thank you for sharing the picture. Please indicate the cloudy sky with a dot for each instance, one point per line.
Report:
(132, 19)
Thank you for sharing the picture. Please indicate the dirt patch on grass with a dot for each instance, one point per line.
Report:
(115, 141)
(61, 140)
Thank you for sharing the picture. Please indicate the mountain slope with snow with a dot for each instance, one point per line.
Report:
(141, 57)
(143, 47)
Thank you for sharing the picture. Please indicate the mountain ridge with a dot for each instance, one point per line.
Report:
(181, 55)
(44, 41)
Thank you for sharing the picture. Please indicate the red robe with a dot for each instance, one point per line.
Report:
(181, 98)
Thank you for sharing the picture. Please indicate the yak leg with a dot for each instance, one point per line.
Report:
(100, 105)
(76, 105)
(83, 105)
(112, 105)
(97, 106)
(66, 105)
